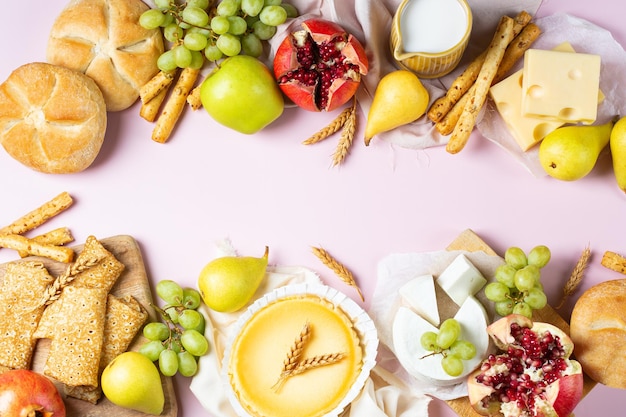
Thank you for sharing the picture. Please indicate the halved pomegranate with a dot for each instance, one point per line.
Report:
(25, 393)
(320, 67)
(532, 376)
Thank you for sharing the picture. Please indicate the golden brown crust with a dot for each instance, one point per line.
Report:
(52, 119)
(598, 330)
(103, 39)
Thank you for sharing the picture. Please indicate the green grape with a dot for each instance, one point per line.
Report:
(237, 25)
(227, 8)
(230, 45)
(169, 19)
(166, 62)
(204, 31)
(515, 257)
(449, 331)
(452, 365)
(168, 362)
(173, 314)
(273, 15)
(536, 298)
(194, 41)
(251, 7)
(195, 16)
(200, 327)
(220, 24)
(463, 349)
(539, 256)
(290, 9)
(251, 45)
(162, 4)
(250, 20)
(187, 365)
(263, 31)
(213, 53)
(505, 274)
(151, 19)
(497, 291)
(191, 298)
(172, 32)
(194, 342)
(189, 319)
(523, 309)
(197, 60)
(176, 346)
(152, 350)
(272, 2)
(429, 341)
(527, 277)
(182, 56)
(202, 4)
(167, 289)
(156, 331)
(504, 308)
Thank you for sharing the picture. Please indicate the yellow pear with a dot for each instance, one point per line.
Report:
(618, 152)
(400, 98)
(132, 381)
(570, 153)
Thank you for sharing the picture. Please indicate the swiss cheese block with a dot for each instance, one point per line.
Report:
(507, 96)
(461, 279)
(419, 294)
(561, 86)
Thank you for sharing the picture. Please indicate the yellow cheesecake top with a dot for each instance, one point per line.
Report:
(259, 352)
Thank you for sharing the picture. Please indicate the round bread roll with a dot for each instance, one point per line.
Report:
(103, 39)
(598, 330)
(52, 119)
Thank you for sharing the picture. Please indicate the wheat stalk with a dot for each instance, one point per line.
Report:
(330, 129)
(576, 276)
(53, 291)
(338, 268)
(317, 362)
(293, 357)
(347, 136)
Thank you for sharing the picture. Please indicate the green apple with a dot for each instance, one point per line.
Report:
(241, 93)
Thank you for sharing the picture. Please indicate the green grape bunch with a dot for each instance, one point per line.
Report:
(447, 343)
(517, 288)
(176, 341)
(200, 31)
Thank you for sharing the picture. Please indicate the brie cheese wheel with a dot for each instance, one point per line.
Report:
(461, 279)
(419, 294)
(420, 363)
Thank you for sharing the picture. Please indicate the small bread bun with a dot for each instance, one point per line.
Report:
(103, 39)
(598, 330)
(52, 119)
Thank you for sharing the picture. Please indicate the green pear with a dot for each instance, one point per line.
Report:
(228, 283)
(570, 153)
(132, 381)
(618, 152)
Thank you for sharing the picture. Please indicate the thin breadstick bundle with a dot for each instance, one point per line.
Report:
(466, 79)
(150, 110)
(56, 237)
(28, 246)
(175, 105)
(501, 39)
(156, 85)
(40, 215)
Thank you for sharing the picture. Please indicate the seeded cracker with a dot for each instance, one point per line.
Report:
(20, 291)
(124, 318)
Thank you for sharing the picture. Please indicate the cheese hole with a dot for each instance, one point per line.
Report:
(567, 113)
(505, 108)
(541, 130)
(520, 80)
(535, 91)
(575, 74)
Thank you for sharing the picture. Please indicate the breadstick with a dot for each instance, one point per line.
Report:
(193, 99)
(25, 245)
(150, 110)
(152, 88)
(464, 82)
(614, 262)
(56, 237)
(174, 105)
(513, 53)
(40, 215)
(495, 52)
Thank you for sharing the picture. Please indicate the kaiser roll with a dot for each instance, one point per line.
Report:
(598, 330)
(52, 119)
(103, 39)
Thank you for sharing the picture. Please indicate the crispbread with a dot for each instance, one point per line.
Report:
(104, 273)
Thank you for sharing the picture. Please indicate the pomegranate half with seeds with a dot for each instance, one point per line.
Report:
(531, 376)
(320, 66)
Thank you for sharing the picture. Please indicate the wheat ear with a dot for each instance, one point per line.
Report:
(338, 268)
(576, 276)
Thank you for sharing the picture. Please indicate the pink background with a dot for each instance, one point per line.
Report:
(207, 183)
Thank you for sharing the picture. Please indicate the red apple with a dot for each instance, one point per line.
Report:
(24, 393)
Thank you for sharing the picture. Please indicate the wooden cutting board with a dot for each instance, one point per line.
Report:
(133, 281)
(470, 241)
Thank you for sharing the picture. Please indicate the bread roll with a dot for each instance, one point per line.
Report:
(598, 330)
(52, 119)
(103, 39)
